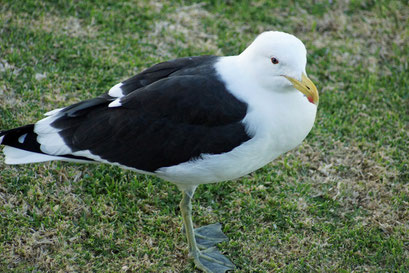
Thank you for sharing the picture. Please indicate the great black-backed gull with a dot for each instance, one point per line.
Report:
(190, 121)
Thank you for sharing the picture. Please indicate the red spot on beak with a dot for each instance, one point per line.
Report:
(310, 100)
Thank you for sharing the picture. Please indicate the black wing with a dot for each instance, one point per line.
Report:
(184, 113)
(180, 66)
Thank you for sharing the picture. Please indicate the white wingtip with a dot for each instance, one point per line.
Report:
(1, 139)
(22, 138)
(116, 91)
(115, 103)
(53, 112)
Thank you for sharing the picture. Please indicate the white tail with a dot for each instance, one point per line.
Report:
(18, 156)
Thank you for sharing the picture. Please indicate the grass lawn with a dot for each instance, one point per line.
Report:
(338, 203)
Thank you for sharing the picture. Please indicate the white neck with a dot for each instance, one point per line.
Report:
(288, 111)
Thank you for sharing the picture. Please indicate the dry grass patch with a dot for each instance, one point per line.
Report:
(183, 29)
(54, 24)
(357, 178)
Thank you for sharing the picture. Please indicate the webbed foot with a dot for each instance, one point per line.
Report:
(210, 235)
(211, 260)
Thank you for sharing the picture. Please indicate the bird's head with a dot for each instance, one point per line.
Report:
(279, 59)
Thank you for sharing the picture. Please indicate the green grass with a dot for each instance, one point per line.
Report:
(338, 203)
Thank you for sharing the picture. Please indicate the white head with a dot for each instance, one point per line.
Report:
(279, 59)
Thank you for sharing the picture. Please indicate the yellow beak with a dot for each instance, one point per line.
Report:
(305, 86)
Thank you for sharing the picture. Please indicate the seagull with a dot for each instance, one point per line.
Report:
(190, 121)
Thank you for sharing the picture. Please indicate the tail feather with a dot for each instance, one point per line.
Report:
(19, 156)
(22, 147)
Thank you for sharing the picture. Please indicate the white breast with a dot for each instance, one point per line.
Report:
(278, 123)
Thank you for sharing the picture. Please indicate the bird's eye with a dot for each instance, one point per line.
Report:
(274, 60)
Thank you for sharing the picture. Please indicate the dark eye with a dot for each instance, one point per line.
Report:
(274, 60)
